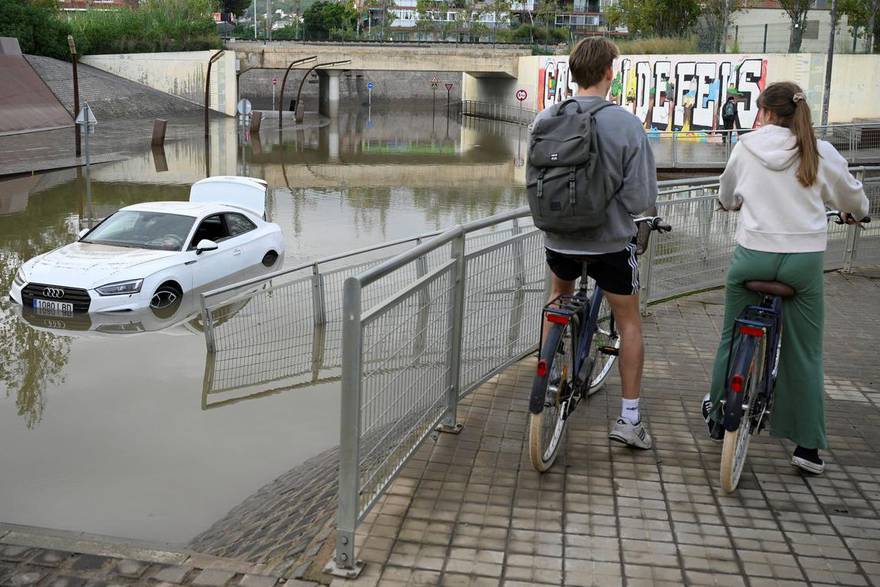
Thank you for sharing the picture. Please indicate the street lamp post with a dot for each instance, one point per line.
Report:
(76, 132)
(284, 83)
(211, 61)
(300, 110)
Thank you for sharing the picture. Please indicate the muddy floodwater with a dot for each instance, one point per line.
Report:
(104, 423)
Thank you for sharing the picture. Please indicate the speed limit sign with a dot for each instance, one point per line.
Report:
(521, 95)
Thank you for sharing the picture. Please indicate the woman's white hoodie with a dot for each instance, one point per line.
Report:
(777, 213)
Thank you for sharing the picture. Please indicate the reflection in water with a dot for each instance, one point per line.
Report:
(125, 409)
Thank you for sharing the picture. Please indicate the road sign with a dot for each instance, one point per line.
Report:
(274, 81)
(435, 81)
(86, 116)
(449, 87)
(521, 95)
(244, 107)
(370, 86)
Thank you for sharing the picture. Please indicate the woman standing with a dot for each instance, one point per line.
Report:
(781, 178)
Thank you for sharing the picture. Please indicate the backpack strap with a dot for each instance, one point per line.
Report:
(601, 105)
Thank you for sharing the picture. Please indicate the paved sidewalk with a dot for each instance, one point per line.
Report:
(470, 510)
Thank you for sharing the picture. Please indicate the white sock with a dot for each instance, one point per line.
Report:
(629, 411)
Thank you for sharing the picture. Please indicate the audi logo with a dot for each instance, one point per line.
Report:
(53, 292)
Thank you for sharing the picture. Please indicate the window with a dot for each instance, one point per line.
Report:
(238, 224)
(212, 228)
(141, 229)
(811, 29)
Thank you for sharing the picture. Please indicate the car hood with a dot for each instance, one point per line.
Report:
(89, 265)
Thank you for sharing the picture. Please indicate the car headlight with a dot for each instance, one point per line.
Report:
(120, 288)
(20, 279)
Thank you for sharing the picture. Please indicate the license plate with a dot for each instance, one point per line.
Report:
(53, 308)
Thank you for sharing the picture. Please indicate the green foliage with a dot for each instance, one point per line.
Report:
(330, 20)
(663, 18)
(37, 25)
(157, 25)
(659, 46)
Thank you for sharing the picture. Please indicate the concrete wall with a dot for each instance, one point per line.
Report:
(692, 82)
(180, 74)
(747, 31)
(389, 87)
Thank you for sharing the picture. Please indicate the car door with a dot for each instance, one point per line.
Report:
(243, 238)
(211, 266)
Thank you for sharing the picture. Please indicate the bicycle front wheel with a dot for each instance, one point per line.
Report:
(606, 344)
(736, 442)
(551, 393)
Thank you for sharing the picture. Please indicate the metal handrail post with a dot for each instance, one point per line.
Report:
(319, 305)
(645, 272)
(344, 564)
(674, 155)
(852, 234)
(518, 255)
(456, 331)
(208, 325)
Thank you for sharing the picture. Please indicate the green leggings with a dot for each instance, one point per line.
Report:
(798, 404)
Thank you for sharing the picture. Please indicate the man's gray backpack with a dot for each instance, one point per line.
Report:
(566, 189)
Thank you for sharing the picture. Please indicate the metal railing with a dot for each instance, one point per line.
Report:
(408, 360)
(859, 143)
(413, 325)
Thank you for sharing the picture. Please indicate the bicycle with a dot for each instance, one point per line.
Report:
(581, 347)
(752, 367)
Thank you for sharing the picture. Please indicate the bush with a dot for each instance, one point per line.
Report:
(659, 46)
(329, 20)
(37, 25)
(157, 25)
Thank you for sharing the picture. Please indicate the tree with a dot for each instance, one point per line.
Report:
(429, 17)
(714, 22)
(797, 11)
(546, 12)
(662, 18)
(36, 25)
(236, 7)
(323, 20)
(861, 16)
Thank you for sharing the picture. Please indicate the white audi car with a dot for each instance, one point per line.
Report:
(148, 255)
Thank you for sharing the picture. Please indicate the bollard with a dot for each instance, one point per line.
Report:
(256, 120)
(159, 126)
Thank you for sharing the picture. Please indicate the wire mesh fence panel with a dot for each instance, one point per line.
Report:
(405, 379)
(868, 244)
(696, 254)
(503, 298)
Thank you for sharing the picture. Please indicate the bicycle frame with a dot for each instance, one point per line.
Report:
(560, 311)
(755, 322)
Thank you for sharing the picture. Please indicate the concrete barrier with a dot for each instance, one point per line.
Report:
(180, 74)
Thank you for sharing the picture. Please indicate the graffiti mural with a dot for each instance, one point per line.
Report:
(682, 93)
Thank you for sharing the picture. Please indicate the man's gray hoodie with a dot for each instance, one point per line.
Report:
(626, 159)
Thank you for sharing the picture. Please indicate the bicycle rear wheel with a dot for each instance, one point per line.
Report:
(551, 393)
(606, 342)
(736, 442)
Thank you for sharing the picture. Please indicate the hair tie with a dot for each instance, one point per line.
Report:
(798, 97)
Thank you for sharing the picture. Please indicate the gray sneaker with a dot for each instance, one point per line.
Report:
(634, 435)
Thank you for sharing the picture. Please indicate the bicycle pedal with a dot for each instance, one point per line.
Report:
(609, 350)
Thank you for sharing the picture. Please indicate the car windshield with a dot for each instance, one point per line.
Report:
(145, 230)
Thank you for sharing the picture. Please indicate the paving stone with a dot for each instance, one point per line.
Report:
(89, 562)
(66, 581)
(13, 553)
(212, 578)
(257, 581)
(170, 574)
(131, 569)
(26, 578)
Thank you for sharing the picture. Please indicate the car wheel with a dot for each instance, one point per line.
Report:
(270, 258)
(166, 299)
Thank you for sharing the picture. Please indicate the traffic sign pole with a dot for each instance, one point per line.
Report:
(274, 83)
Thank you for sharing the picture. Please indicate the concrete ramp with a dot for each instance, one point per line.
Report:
(26, 103)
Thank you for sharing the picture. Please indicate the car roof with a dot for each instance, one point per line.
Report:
(194, 209)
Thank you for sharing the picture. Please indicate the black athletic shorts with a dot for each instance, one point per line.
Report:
(616, 273)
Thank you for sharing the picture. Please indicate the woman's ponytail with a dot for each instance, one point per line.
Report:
(786, 101)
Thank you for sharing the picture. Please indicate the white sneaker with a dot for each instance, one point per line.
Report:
(634, 435)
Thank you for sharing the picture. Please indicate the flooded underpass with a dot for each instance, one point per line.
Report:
(110, 424)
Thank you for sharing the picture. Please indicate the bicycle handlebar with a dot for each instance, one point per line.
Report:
(838, 217)
(655, 223)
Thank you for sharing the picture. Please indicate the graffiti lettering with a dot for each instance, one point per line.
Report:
(670, 93)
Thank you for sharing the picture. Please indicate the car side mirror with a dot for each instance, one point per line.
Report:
(82, 233)
(205, 245)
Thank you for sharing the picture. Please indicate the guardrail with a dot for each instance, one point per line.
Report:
(859, 143)
(407, 360)
(413, 325)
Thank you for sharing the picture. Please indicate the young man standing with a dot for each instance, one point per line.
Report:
(627, 163)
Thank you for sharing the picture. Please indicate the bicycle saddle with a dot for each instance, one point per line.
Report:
(772, 288)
